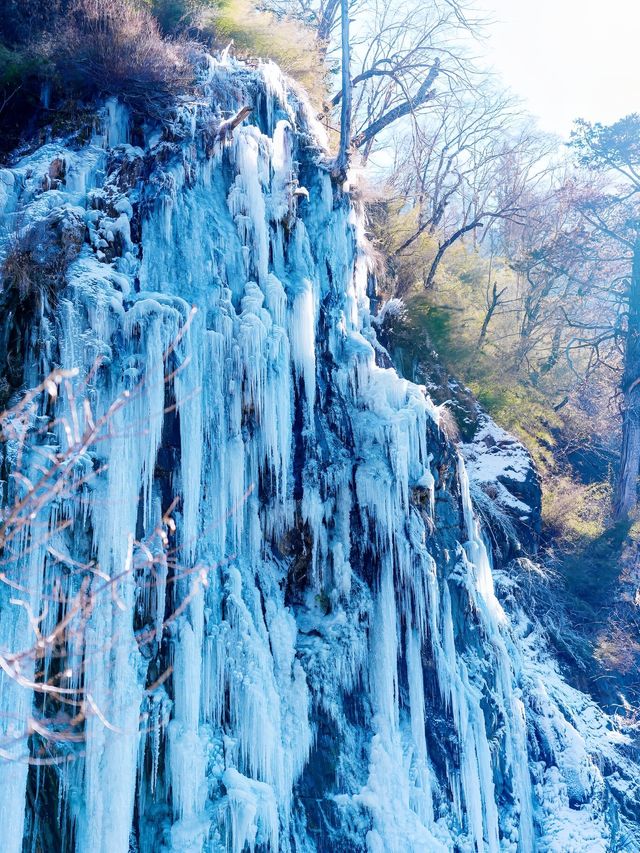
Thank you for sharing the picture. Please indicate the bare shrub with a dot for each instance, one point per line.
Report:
(179, 16)
(498, 524)
(574, 512)
(17, 273)
(23, 21)
(114, 47)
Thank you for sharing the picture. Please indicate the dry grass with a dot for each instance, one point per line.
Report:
(575, 512)
(38, 256)
(449, 424)
(17, 273)
(29, 280)
(259, 34)
(618, 649)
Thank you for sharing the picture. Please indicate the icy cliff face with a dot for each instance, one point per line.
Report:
(293, 641)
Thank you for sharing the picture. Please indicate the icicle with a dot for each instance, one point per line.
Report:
(117, 123)
(476, 549)
(16, 700)
(423, 795)
(302, 333)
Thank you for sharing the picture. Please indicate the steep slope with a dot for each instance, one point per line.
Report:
(292, 639)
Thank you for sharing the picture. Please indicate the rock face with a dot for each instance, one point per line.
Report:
(279, 623)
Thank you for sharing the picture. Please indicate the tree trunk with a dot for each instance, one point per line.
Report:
(325, 24)
(491, 307)
(424, 94)
(342, 160)
(626, 496)
(442, 249)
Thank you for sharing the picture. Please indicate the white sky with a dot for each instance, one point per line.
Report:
(567, 58)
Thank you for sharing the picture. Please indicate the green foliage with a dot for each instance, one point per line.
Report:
(424, 327)
(17, 66)
(520, 409)
(577, 514)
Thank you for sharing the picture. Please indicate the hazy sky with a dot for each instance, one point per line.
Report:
(567, 58)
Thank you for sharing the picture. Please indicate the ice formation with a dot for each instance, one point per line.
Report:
(295, 643)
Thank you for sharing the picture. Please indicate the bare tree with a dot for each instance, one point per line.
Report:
(321, 15)
(615, 216)
(471, 164)
(396, 53)
(399, 52)
(347, 88)
(492, 301)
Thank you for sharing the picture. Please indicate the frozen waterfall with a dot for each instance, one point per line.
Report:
(279, 625)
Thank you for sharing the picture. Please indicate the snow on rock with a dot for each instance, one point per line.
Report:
(501, 467)
(495, 454)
